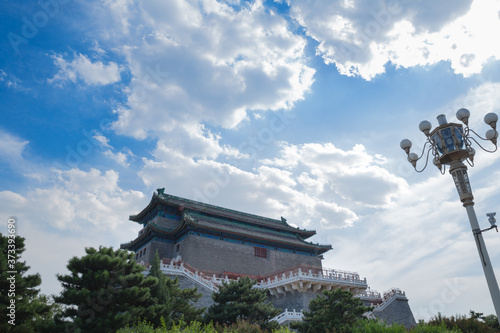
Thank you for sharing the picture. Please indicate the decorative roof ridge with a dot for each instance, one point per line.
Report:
(141, 236)
(166, 197)
(208, 208)
(270, 230)
(292, 231)
(321, 247)
(155, 225)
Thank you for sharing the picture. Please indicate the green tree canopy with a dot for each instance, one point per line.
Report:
(473, 323)
(105, 290)
(173, 302)
(51, 320)
(334, 311)
(378, 326)
(17, 289)
(492, 321)
(196, 327)
(238, 300)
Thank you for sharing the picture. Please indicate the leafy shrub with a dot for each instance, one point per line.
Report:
(197, 327)
(427, 328)
(334, 311)
(463, 324)
(376, 326)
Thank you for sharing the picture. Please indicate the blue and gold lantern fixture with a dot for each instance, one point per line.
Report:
(451, 142)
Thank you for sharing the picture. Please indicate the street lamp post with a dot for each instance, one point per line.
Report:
(451, 144)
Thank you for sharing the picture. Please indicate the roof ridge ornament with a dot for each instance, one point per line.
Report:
(161, 191)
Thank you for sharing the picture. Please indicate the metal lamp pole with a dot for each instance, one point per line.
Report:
(450, 144)
(459, 172)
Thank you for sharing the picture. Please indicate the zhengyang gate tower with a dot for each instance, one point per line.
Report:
(204, 245)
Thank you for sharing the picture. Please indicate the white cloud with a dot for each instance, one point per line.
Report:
(121, 157)
(195, 63)
(103, 141)
(12, 82)
(480, 100)
(354, 175)
(11, 147)
(73, 209)
(120, 11)
(314, 185)
(362, 38)
(195, 141)
(75, 200)
(82, 68)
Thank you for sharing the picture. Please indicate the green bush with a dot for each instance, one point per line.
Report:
(242, 326)
(492, 321)
(375, 326)
(197, 327)
(462, 323)
(334, 311)
(143, 326)
(239, 300)
(426, 328)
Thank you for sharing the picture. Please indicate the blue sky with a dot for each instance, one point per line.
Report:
(278, 108)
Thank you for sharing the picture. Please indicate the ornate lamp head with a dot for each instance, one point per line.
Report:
(448, 140)
(451, 142)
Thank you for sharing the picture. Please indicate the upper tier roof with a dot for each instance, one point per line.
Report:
(161, 198)
(198, 222)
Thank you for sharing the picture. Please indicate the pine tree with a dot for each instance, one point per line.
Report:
(174, 303)
(17, 290)
(334, 311)
(182, 302)
(49, 321)
(105, 291)
(161, 294)
(238, 300)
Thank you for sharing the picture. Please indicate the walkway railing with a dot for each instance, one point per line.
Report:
(178, 268)
(370, 294)
(288, 316)
(294, 278)
(298, 280)
(372, 297)
(389, 297)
